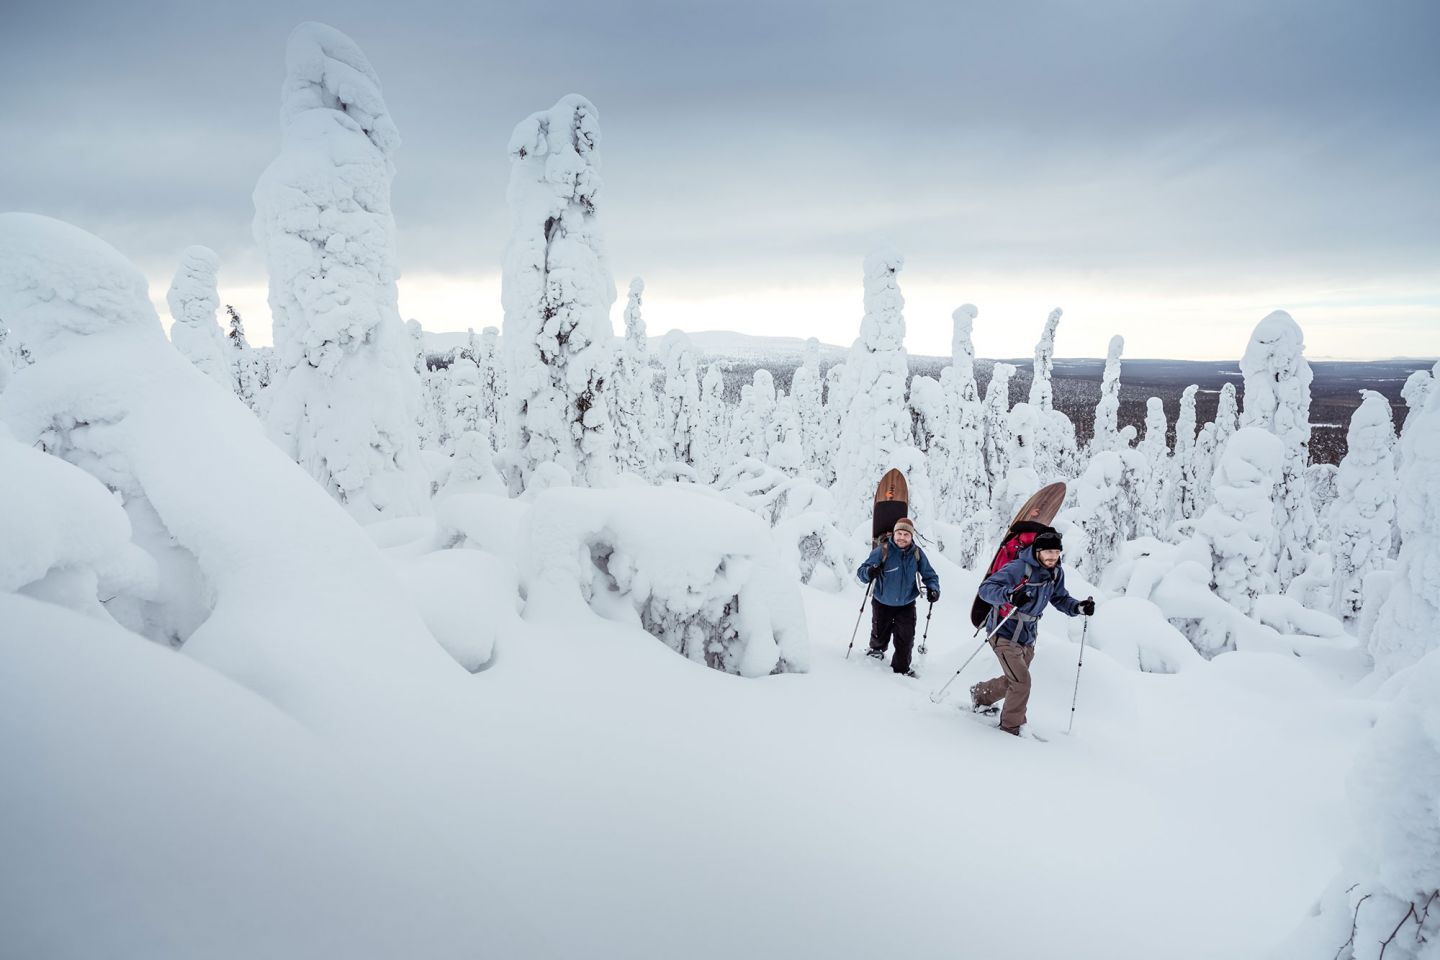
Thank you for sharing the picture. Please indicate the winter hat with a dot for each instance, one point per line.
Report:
(1047, 540)
(905, 523)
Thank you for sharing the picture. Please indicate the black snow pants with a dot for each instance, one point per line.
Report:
(898, 622)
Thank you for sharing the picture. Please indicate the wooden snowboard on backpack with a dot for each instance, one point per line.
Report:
(892, 502)
(1035, 515)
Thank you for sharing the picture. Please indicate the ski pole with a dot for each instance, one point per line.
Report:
(939, 695)
(926, 635)
(864, 601)
(1078, 664)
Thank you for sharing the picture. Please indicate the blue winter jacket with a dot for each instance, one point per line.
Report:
(1044, 586)
(896, 585)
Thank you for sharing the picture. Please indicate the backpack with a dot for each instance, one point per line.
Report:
(1017, 538)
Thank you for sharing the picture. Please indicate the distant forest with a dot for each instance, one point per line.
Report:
(1334, 394)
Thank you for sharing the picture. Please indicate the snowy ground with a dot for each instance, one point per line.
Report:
(602, 796)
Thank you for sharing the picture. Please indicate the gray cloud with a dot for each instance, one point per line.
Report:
(1187, 145)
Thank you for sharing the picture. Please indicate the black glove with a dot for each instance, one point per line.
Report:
(875, 571)
(932, 595)
(1087, 606)
(1020, 597)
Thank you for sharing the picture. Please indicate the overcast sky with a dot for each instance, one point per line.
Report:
(1169, 171)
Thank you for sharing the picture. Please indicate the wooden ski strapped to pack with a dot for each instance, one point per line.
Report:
(1036, 515)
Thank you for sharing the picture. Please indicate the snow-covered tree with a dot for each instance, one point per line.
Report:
(1388, 890)
(1210, 444)
(1156, 489)
(1042, 395)
(806, 393)
(1277, 399)
(964, 491)
(997, 426)
(463, 413)
(1020, 479)
(832, 420)
(1185, 472)
(876, 424)
(929, 414)
(680, 419)
(713, 430)
(1055, 448)
(427, 415)
(194, 299)
(1409, 623)
(557, 291)
(345, 393)
(248, 368)
(1101, 512)
(1107, 411)
(1238, 525)
(1364, 516)
(636, 410)
(751, 425)
(492, 382)
(783, 450)
(1416, 389)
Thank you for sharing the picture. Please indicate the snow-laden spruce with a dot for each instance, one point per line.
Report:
(639, 436)
(929, 423)
(1277, 399)
(807, 394)
(679, 410)
(492, 381)
(1238, 525)
(1156, 489)
(1055, 449)
(249, 368)
(713, 429)
(1183, 467)
(1020, 479)
(194, 299)
(874, 427)
(1210, 445)
(1408, 626)
(1107, 411)
(964, 490)
(997, 433)
(1385, 900)
(557, 290)
(344, 404)
(1363, 519)
(1101, 508)
(697, 573)
(1042, 393)
(783, 448)
(751, 424)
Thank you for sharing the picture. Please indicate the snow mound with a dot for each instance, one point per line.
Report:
(275, 586)
(702, 575)
(168, 812)
(66, 537)
(469, 599)
(1136, 633)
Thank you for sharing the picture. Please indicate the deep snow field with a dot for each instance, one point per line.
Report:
(594, 794)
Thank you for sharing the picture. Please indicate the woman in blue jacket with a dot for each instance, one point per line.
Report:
(894, 567)
(1030, 582)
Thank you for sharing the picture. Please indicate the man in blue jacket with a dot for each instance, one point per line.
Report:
(893, 567)
(1029, 582)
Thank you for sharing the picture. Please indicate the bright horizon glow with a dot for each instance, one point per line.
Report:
(1211, 327)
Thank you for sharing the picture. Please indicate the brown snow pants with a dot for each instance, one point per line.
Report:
(1013, 684)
